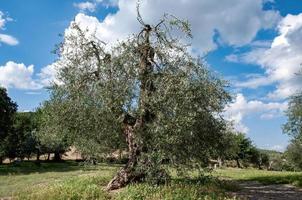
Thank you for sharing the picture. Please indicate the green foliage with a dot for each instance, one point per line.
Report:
(100, 85)
(294, 115)
(25, 127)
(7, 111)
(51, 135)
(240, 148)
(293, 154)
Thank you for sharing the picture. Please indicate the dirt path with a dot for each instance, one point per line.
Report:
(253, 190)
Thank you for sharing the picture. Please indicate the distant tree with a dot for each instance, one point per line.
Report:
(293, 154)
(230, 141)
(51, 134)
(258, 158)
(8, 109)
(25, 127)
(147, 94)
(241, 149)
(293, 127)
(244, 148)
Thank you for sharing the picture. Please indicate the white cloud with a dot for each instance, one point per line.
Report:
(18, 76)
(7, 39)
(48, 75)
(4, 38)
(241, 108)
(281, 61)
(86, 6)
(206, 17)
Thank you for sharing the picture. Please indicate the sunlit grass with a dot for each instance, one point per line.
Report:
(263, 176)
(69, 180)
(16, 179)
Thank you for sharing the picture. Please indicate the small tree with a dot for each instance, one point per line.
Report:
(25, 127)
(51, 135)
(146, 94)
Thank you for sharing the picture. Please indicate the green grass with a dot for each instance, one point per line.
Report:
(263, 176)
(20, 178)
(70, 181)
(178, 189)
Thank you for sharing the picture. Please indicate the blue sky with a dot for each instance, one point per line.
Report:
(245, 41)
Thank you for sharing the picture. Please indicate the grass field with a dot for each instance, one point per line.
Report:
(69, 180)
(263, 176)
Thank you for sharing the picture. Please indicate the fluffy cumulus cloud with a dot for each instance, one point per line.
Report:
(241, 108)
(18, 76)
(208, 18)
(281, 61)
(4, 38)
(235, 22)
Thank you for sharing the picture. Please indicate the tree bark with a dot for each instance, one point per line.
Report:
(57, 156)
(238, 163)
(128, 173)
(38, 155)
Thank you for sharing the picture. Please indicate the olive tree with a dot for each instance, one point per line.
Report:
(51, 134)
(147, 95)
(293, 127)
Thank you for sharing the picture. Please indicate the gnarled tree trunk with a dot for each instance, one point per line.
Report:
(128, 173)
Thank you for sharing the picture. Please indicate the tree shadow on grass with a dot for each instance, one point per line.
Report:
(28, 167)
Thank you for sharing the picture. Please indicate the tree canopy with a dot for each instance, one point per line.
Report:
(147, 95)
(8, 108)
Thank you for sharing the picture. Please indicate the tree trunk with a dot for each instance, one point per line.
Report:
(1, 160)
(127, 174)
(48, 156)
(57, 156)
(132, 125)
(238, 163)
(38, 155)
(220, 162)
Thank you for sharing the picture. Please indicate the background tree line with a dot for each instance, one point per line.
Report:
(21, 133)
